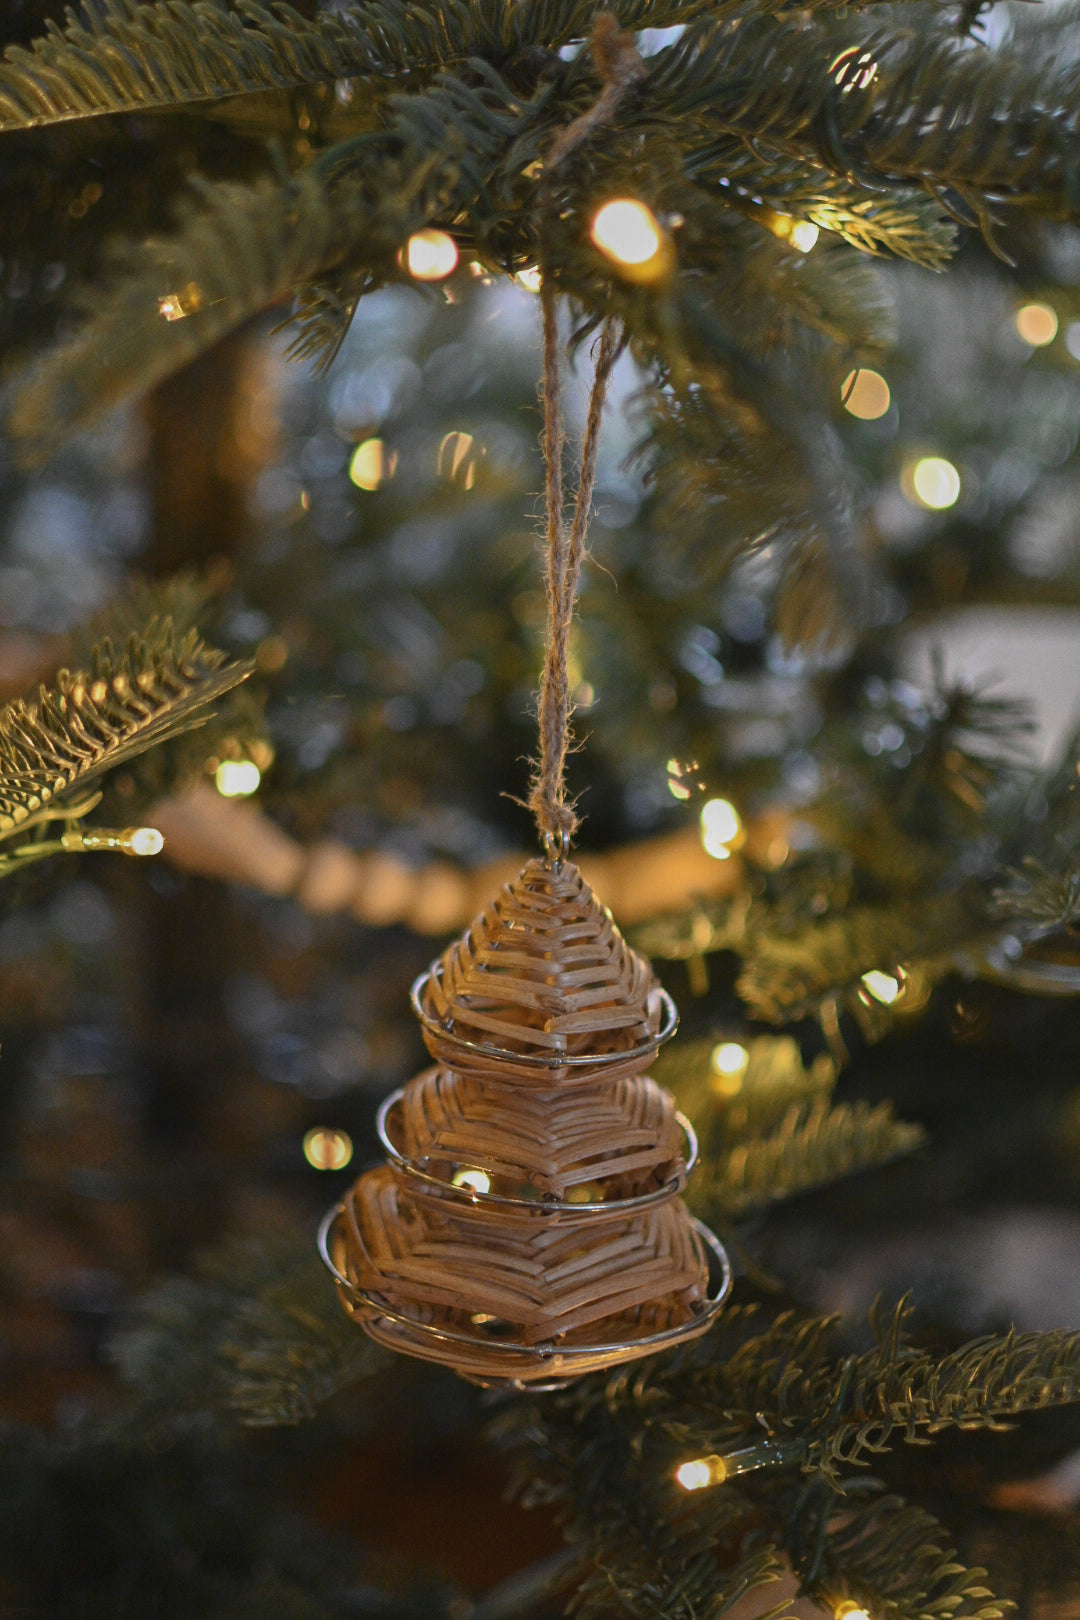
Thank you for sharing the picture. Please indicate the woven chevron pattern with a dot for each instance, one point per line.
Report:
(545, 1277)
(542, 972)
(619, 1139)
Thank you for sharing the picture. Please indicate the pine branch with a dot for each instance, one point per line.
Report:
(257, 1334)
(246, 247)
(893, 1557)
(1039, 896)
(934, 114)
(810, 1149)
(788, 976)
(95, 719)
(650, 1552)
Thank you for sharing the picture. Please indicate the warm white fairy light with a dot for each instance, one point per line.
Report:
(932, 482)
(702, 1472)
(529, 278)
(1037, 324)
(804, 235)
(477, 1181)
(884, 987)
(850, 1610)
(729, 1062)
(237, 778)
(721, 828)
(865, 394)
(430, 255)
(327, 1149)
(142, 841)
(370, 466)
(628, 233)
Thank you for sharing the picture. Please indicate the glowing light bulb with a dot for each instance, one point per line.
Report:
(884, 987)
(721, 828)
(430, 255)
(729, 1062)
(702, 1472)
(529, 278)
(370, 465)
(237, 778)
(849, 1610)
(932, 482)
(1037, 324)
(326, 1149)
(804, 235)
(865, 394)
(627, 233)
(142, 841)
(477, 1181)
(175, 306)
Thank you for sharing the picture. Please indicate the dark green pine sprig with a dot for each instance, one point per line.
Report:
(777, 1414)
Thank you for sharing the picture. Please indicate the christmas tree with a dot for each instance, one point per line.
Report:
(278, 285)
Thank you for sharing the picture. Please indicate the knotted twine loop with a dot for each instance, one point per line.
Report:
(556, 818)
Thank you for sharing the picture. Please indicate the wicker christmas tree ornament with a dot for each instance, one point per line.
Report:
(527, 1226)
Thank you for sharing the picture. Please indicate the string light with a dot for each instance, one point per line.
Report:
(729, 1062)
(884, 987)
(1037, 324)
(326, 1149)
(865, 394)
(529, 278)
(701, 1472)
(932, 482)
(801, 233)
(477, 1181)
(237, 778)
(627, 233)
(848, 1609)
(137, 841)
(721, 828)
(175, 306)
(370, 465)
(430, 255)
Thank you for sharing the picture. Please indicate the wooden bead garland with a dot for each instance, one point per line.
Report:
(527, 1226)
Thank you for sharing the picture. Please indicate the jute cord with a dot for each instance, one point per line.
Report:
(555, 816)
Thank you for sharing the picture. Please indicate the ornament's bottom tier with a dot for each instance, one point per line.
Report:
(505, 1296)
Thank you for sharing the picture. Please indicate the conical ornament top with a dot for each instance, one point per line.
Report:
(527, 1225)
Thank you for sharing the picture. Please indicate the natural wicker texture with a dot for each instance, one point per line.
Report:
(538, 1265)
(542, 972)
(620, 1136)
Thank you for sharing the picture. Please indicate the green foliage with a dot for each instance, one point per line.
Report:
(125, 701)
(257, 1334)
(810, 1149)
(791, 1413)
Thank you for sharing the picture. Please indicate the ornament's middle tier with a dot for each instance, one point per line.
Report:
(612, 1140)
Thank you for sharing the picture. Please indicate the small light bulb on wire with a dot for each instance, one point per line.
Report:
(629, 234)
(865, 394)
(327, 1149)
(848, 1609)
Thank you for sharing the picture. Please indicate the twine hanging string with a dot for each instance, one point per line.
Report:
(555, 815)
(615, 56)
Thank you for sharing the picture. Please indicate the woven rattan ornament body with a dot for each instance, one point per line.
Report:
(527, 1225)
